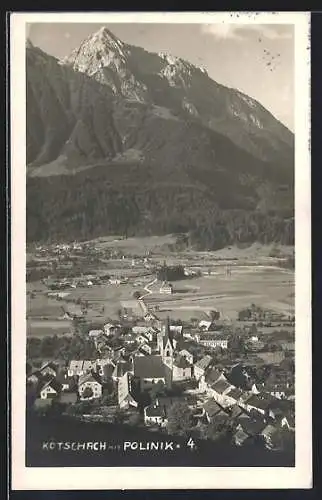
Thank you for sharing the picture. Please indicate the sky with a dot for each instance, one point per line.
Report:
(257, 59)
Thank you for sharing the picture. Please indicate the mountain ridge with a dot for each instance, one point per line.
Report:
(142, 125)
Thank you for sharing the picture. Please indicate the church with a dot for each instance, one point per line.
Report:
(177, 368)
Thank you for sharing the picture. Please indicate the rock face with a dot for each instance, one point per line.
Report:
(169, 81)
(148, 124)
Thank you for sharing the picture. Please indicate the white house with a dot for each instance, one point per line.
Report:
(166, 288)
(95, 333)
(154, 414)
(91, 382)
(204, 325)
(50, 389)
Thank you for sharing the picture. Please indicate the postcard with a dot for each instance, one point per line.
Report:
(161, 255)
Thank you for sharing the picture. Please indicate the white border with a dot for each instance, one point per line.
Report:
(162, 477)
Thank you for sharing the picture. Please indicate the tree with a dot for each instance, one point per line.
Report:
(157, 389)
(180, 419)
(88, 393)
(137, 295)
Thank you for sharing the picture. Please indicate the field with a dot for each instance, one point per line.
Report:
(254, 278)
(267, 287)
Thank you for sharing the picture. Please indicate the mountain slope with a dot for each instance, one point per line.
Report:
(121, 139)
(169, 81)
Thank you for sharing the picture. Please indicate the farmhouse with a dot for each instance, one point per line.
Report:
(154, 414)
(50, 389)
(166, 288)
(89, 386)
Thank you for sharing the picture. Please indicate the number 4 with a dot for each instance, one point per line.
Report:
(191, 443)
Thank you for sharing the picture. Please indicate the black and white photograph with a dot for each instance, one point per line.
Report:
(160, 250)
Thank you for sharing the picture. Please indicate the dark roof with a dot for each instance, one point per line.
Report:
(262, 401)
(237, 412)
(220, 386)
(212, 408)
(89, 377)
(52, 383)
(155, 411)
(212, 376)
(235, 393)
(204, 362)
(149, 367)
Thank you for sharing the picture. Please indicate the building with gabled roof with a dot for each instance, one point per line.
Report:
(201, 366)
(50, 389)
(126, 391)
(150, 370)
(89, 382)
(212, 410)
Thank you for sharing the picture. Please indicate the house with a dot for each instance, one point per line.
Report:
(75, 367)
(50, 389)
(129, 339)
(48, 369)
(142, 339)
(126, 390)
(212, 410)
(114, 281)
(259, 403)
(176, 329)
(204, 325)
(145, 349)
(89, 386)
(237, 413)
(211, 376)
(201, 366)
(166, 288)
(234, 396)
(150, 370)
(248, 428)
(220, 392)
(155, 414)
(187, 355)
(181, 369)
(95, 333)
(141, 330)
(89, 365)
(212, 340)
(111, 329)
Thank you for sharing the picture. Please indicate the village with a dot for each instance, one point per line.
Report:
(209, 377)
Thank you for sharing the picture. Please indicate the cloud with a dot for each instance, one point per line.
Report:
(242, 31)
